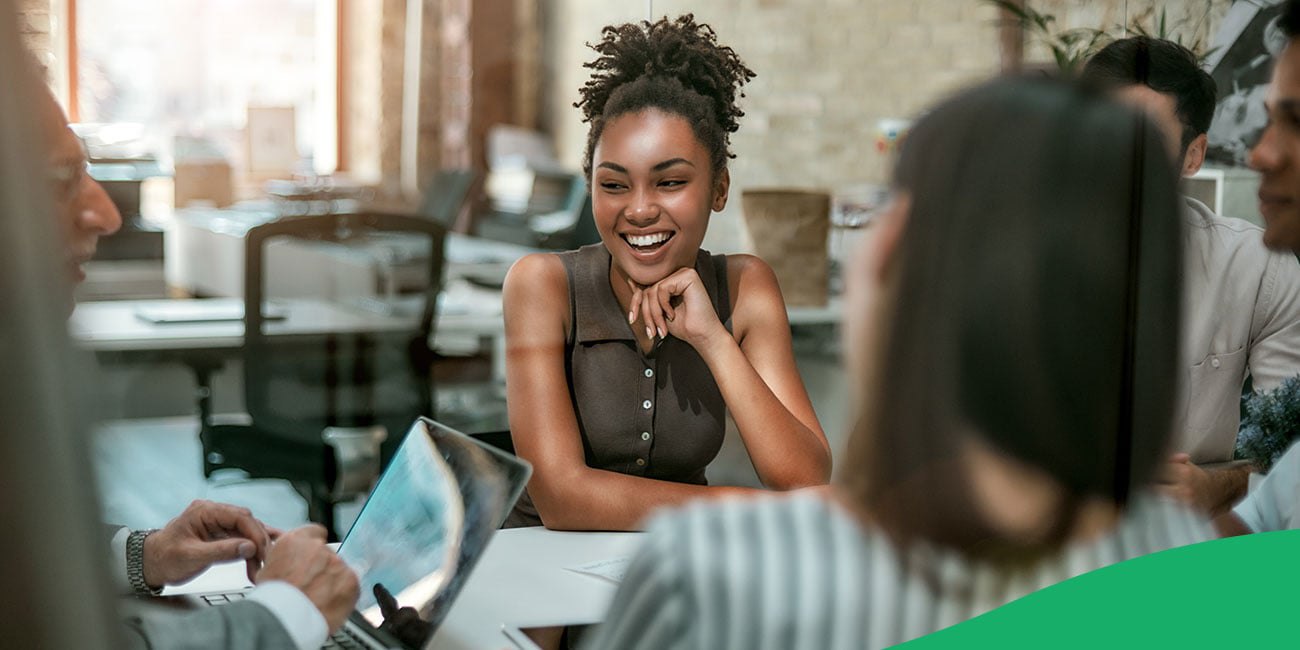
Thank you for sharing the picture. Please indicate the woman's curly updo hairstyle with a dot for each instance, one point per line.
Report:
(676, 66)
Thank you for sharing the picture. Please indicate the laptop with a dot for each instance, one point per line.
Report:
(211, 310)
(420, 533)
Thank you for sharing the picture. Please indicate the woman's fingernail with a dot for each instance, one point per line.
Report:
(631, 317)
(649, 333)
(661, 333)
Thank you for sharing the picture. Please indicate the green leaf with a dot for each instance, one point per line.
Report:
(1063, 60)
(1023, 14)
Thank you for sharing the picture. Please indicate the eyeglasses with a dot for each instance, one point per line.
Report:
(66, 179)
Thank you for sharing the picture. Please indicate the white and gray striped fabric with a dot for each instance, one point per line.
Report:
(798, 572)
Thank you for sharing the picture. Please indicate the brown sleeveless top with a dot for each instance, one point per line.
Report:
(659, 415)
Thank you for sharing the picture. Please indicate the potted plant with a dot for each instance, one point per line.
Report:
(1270, 424)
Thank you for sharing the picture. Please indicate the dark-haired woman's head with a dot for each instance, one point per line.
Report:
(1029, 314)
(661, 106)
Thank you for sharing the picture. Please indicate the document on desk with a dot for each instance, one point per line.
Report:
(612, 570)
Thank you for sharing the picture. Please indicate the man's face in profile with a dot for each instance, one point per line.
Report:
(1277, 155)
(81, 205)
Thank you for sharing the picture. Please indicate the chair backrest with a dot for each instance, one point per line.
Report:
(446, 195)
(583, 230)
(362, 361)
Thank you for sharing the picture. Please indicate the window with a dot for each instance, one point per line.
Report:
(179, 77)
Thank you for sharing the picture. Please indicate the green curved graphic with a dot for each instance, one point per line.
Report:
(1228, 593)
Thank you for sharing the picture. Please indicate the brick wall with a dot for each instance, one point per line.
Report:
(828, 70)
(374, 38)
(34, 26)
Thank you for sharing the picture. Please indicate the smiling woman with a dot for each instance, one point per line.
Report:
(624, 357)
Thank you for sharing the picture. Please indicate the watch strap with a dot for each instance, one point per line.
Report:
(135, 563)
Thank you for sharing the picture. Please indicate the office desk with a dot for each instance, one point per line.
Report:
(113, 327)
(117, 336)
(521, 581)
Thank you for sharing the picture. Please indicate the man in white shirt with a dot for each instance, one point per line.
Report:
(1275, 503)
(1241, 301)
(303, 591)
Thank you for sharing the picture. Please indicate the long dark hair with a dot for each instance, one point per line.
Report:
(1036, 306)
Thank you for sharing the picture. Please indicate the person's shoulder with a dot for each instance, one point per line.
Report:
(768, 545)
(1236, 243)
(714, 528)
(746, 266)
(535, 269)
(536, 274)
(1237, 232)
(536, 286)
(755, 292)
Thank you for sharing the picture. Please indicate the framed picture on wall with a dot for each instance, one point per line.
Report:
(272, 141)
(1245, 47)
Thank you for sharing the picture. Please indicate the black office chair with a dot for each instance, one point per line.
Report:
(553, 193)
(583, 231)
(325, 410)
(499, 439)
(446, 194)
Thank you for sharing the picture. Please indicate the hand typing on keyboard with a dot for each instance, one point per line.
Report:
(301, 558)
(204, 534)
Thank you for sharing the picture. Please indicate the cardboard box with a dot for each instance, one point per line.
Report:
(207, 182)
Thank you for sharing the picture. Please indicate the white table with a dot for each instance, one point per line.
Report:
(523, 580)
(117, 335)
(114, 326)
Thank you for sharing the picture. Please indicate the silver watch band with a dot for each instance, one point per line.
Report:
(135, 563)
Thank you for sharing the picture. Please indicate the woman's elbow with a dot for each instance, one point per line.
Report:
(557, 506)
(808, 473)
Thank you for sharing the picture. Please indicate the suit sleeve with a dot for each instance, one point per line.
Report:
(242, 625)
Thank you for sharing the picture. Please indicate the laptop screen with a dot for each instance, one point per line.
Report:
(425, 525)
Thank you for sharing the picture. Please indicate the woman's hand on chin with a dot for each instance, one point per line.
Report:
(678, 305)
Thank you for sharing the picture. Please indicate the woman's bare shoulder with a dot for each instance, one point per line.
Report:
(753, 286)
(536, 286)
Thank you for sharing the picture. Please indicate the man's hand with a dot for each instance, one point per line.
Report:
(206, 533)
(1210, 491)
(301, 558)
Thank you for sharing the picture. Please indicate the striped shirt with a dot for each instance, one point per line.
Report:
(797, 571)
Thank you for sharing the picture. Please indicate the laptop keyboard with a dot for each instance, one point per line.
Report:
(222, 599)
(344, 639)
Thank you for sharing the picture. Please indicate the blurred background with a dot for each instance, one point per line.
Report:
(207, 119)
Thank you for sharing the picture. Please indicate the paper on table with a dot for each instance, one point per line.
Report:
(611, 570)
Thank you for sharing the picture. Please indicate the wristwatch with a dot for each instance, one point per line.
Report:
(135, 563)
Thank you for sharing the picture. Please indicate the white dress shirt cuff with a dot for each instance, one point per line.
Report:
(117, 546)
(300, 618)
